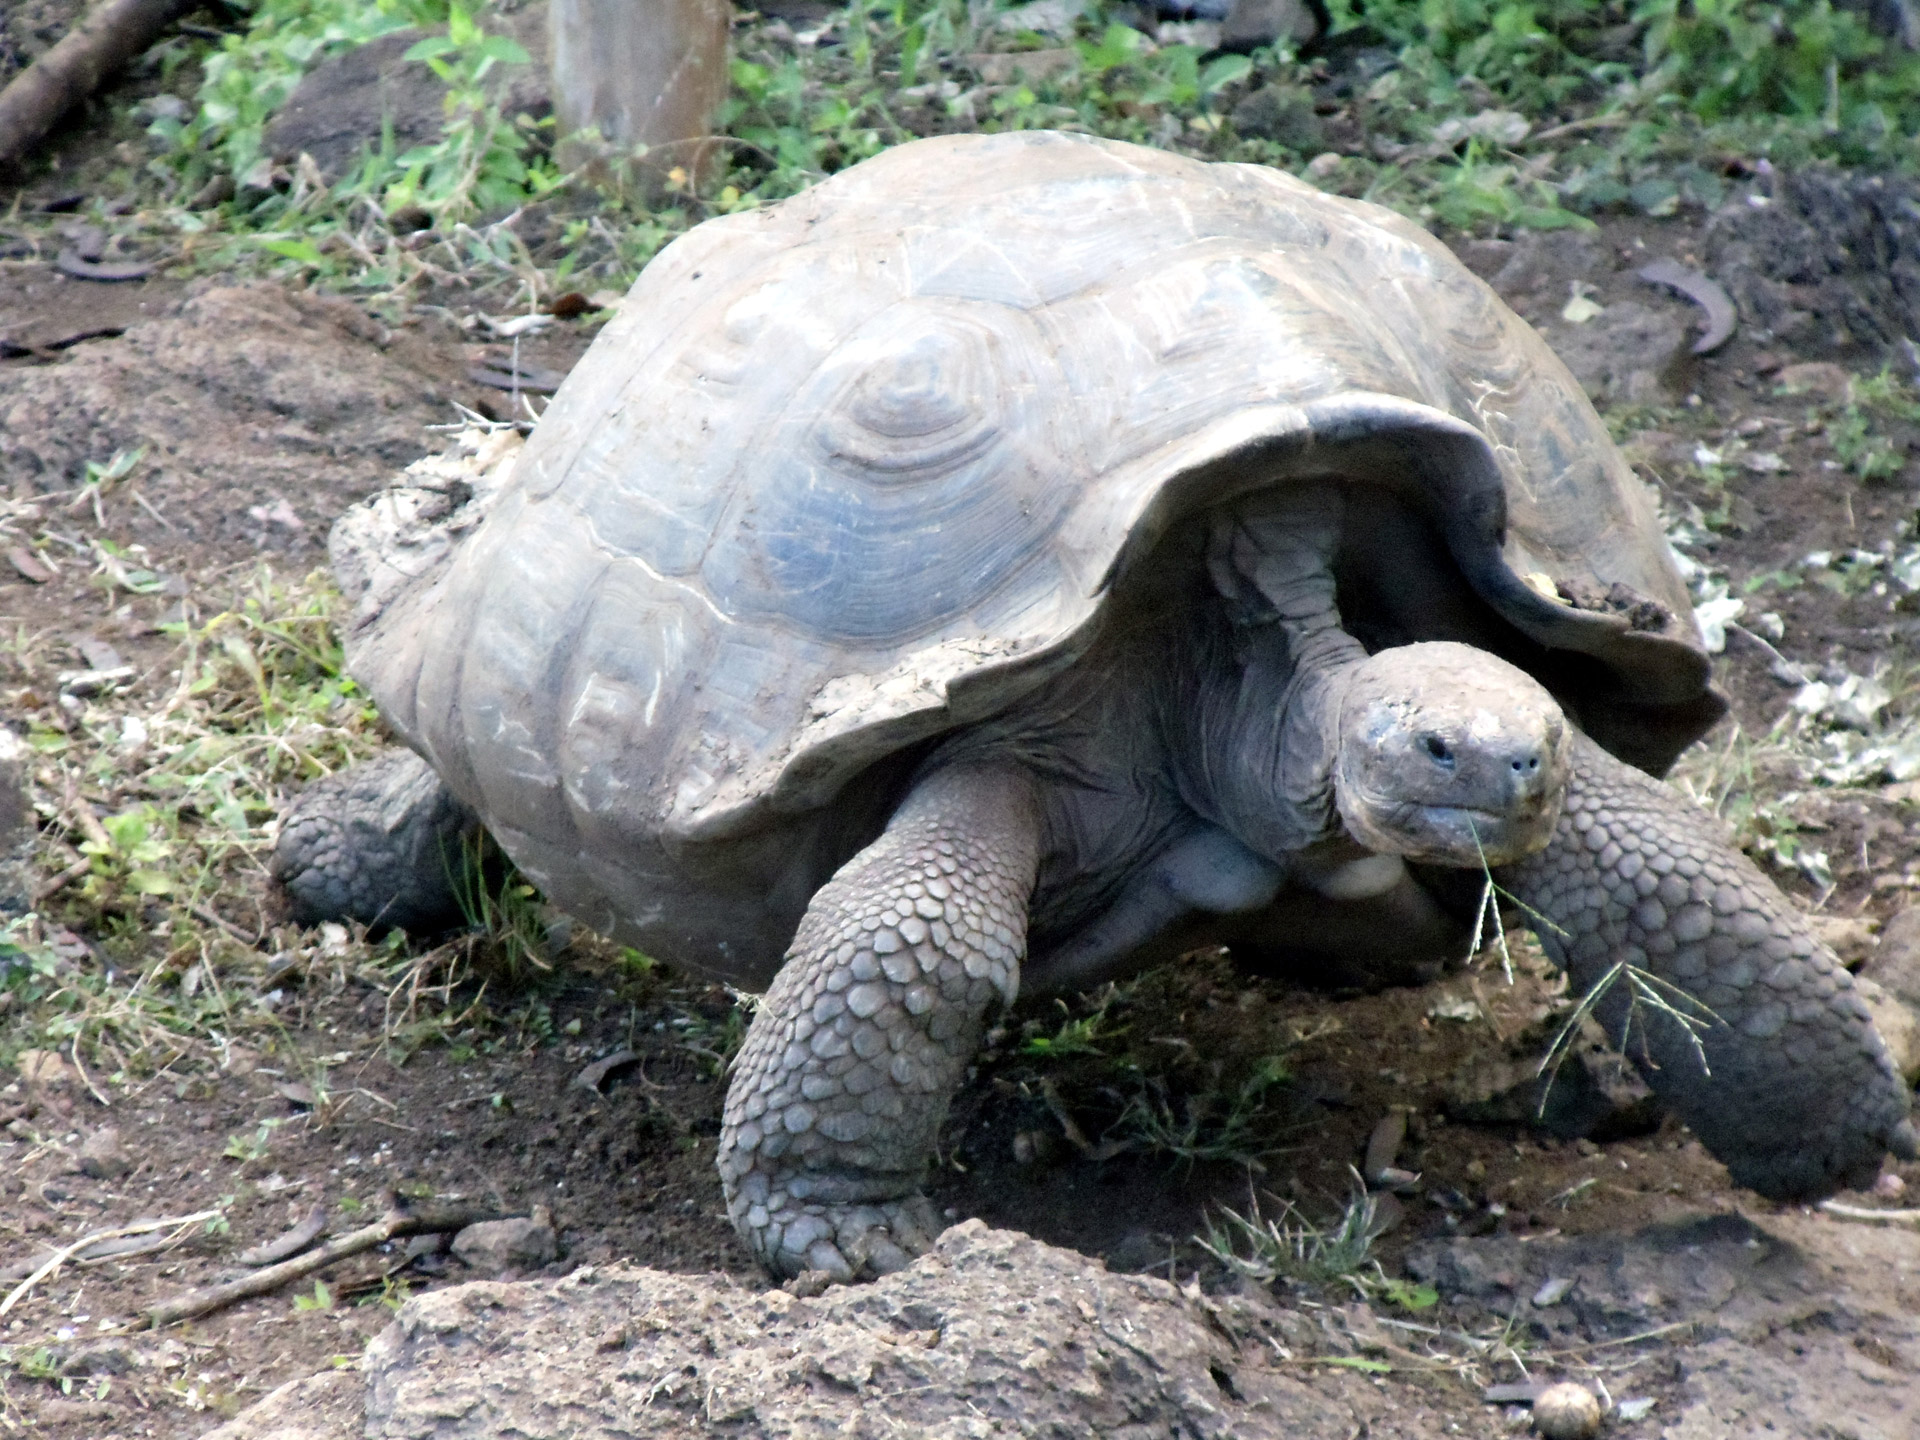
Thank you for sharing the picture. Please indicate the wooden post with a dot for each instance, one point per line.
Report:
(643, 73)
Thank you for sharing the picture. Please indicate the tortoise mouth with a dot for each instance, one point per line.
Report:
(1461, 836)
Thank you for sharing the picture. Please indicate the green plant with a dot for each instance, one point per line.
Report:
(320, 1299)
(1077, 1035)
(483, 159)
(251, 74)
(1208, 1124)
(1291, 1247)
(1648, 994)
(248, 1148)
(504, 913)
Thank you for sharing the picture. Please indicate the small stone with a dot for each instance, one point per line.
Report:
(809, 1283)
(1553, 1291)
(102, 1357)
(1895, 963)
(1252, 23)
(496, 1245)
(1281, 113)
(103, 1157)
(1566, 1412)
(44, 1069)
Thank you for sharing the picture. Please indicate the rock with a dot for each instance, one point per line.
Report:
(44, 1069)
(1898, 1024)
(1850, 937)
(1821, 378)
(1253, 23)
(1895, 964)
(1006, 67)
(1828, 257)
(103, 1157)
(320, 1407)
(1566, 1412)
(1628, 352)
(337, 110)
(19, 829)
(102, 1357)
(1593, 1094)
(1281, 113)
(1621, 1284)
(496, 1245)
(991, 1334)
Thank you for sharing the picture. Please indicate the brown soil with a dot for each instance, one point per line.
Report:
(264, 412)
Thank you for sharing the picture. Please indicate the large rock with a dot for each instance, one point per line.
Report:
(1628, 353)
(1895, 963)
(991, 1334)
(1830, 260)
(339, 107)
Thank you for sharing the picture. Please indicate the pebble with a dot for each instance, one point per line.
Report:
(103, 1157)
(1566, 1412)
(497, 1245)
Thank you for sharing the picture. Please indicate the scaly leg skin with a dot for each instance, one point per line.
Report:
(379, 842)
(870, 1025)
(1798, 1097)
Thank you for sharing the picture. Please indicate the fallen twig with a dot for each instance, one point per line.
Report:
(394, 1225)
(107, 37)
(203, 911)
(283, 1247)
(60, 1257)
(54, 884)
(1841, 1210)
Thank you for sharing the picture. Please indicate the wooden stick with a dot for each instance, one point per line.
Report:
(60, 1257)
(1869, 1216)
(283, 1247)
(110, 34)
(394, 1225)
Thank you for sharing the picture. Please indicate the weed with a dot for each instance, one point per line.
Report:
(1210, 1124)
(481, 161)
(320, 1299)
(1291, 1247)
(713, 1040)
(248, 1148)
(504, 914)
(1647, 994)
(1077, 1035)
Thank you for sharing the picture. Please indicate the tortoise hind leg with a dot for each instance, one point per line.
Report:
(379, 842)
(867, 1030)
(1797, 1095)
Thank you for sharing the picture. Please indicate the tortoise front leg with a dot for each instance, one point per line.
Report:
(868, 1029)
(1797, 1096)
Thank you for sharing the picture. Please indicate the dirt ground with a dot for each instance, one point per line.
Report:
(263, 412)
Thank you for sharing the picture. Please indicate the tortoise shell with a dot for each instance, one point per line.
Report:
(856, 469)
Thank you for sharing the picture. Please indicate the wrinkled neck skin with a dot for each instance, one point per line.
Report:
(1256, 755)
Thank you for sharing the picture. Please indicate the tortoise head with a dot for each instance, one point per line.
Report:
(1450, 755)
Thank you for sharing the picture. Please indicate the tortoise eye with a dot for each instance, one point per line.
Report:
(1438, 749)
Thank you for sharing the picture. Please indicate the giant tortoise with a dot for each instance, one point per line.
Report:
(1023, 556)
